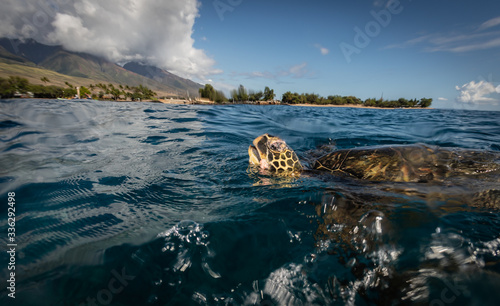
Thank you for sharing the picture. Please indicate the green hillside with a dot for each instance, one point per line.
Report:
(61, 66)
(34, 74)
(164, 77)
(6, 56)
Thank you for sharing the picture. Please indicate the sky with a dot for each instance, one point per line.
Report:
(447, 50)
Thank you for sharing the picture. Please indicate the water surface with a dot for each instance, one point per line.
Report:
(153, 204)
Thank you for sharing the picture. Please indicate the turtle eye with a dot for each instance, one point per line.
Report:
(277, 146)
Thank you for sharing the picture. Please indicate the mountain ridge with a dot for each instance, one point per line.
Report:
(162, 76)
(87, 66)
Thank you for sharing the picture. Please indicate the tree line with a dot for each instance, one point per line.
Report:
(209, 92)
(308, 98)
(241, 94)
(17, 86)
(135, 93)
(237, 95)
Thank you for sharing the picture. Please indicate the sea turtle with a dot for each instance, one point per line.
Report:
(357, 219)
(401, 163)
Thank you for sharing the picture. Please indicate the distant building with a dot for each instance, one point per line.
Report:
(25, 95)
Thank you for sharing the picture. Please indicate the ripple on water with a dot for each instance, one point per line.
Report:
(97, 181)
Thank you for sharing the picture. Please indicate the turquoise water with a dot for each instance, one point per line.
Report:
(153, 204)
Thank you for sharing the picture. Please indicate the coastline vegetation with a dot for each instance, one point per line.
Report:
(242, 95)
(134, 93)
(208, 92)
(295, 98)
(15, 86)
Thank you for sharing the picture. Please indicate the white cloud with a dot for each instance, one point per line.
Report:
(262, 74)
(458, 41)
(153, 31)
(489, 24)
(296, 71)
(481, 92)
(323, 50)
(442, 99)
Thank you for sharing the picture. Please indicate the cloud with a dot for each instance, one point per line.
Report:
(461, 40)
(296, 71)
(323, 50)
(481, 92)
(455, 43)
(442, 99)
(156, 32)
(489, 24)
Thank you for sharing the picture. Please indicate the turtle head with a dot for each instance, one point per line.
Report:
(273, 154)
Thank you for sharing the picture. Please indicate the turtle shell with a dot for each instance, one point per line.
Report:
(409, 163)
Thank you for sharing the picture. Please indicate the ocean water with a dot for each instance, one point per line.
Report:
(153, 204)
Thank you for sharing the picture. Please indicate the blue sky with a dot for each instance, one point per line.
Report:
(448, 50)
(445, 50)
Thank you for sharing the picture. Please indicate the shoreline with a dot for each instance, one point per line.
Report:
(198, 102)
(183, 102)
(357, 106)
(264, 103)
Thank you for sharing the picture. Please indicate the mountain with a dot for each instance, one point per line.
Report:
(164, 77)
(29, 49)
(93, 68)
(5, 54)
(96, 68)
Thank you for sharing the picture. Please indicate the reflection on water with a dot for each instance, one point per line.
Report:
(152, 204)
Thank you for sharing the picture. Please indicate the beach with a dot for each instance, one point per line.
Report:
(207, 102)
(357, 106)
